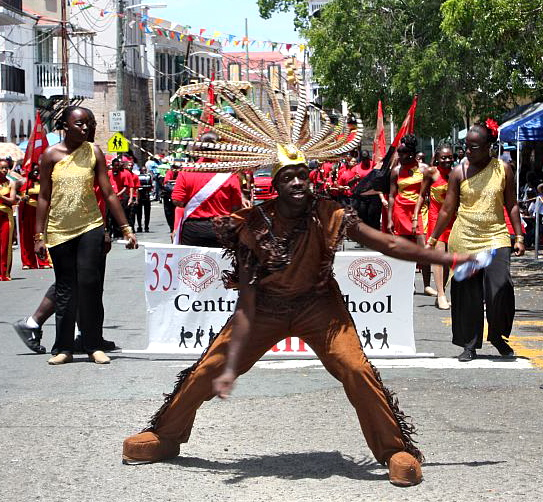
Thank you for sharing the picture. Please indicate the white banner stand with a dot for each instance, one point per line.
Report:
(187, 303)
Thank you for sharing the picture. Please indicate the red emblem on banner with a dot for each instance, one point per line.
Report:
(198, 271)
(369, 273)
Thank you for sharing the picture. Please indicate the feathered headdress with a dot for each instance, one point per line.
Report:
(257, 139)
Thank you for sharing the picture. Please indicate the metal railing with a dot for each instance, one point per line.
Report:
(49, 80)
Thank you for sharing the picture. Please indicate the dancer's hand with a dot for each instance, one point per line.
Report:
(519, 248)
(132, 241)
(40, 249)
(223, 385)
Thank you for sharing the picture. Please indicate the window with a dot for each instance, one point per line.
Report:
(44, 46)
(13, 133)
(21, 130)
(234, 72)
(29, 129)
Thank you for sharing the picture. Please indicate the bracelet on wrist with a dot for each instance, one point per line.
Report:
(127, 230)
(432, 241)
(519, 239)
(39, 237)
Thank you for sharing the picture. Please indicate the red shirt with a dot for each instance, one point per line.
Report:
(345, 176)
(169, 176)
(327, 166)
(100, 198)
(225, 200)
(121, 180)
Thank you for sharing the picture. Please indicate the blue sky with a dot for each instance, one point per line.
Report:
(228, 16)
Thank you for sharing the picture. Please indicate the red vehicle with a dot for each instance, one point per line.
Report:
(263, 188)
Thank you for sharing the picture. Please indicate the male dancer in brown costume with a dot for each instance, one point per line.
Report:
(283, 252)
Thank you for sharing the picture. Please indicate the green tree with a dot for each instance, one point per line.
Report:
(463, 57)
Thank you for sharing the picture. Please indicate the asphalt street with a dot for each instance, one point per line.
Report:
(287, 434)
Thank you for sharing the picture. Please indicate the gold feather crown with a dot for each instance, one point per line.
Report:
(256, 139)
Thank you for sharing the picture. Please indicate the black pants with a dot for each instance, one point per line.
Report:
(112, 225)
(144, 206)
(369, 210)
(492, 286)
(199, 232)
(78, 265)
(169, 212)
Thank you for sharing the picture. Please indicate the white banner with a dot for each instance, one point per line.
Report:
(186, 301)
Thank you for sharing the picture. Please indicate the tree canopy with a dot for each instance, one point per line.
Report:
(464, 58)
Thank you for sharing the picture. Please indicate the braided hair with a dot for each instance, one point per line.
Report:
(409, 142)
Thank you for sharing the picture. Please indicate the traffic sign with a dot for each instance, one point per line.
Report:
(117, 121)
(117, 143)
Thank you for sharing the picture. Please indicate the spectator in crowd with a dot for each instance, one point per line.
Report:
(368, 203)
(348, 176)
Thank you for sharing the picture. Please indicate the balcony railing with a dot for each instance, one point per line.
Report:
(49, 80)
(12, 83)
(11, 12)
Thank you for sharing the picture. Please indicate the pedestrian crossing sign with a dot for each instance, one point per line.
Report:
(117, 143)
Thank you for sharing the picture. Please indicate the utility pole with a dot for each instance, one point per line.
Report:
(247, 49)
(65, 57)
(120, 56)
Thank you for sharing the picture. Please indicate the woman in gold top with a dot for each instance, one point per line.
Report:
(479, 189)
(75, 232)
(7, 199)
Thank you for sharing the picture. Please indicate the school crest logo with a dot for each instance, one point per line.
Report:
(369, 273)
(198, 271)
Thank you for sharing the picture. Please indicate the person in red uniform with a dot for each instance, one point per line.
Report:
(121, 181)
(134, 192)
(349, 174)
(26, 214)
(204, 196)
(317, 177)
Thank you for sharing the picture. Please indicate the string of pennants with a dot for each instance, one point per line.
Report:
(179, 33)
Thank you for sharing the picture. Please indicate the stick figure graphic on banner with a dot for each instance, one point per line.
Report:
(184, 335)
(367, 337)
(199, 335)
(382, 336)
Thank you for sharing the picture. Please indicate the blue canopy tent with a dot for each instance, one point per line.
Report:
(525, 126)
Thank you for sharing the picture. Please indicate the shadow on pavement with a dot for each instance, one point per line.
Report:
(310, 465)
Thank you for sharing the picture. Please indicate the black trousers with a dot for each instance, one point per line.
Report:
(78, 265)
(143, 208)
(199, 232)
(369, 210)
(492, 286)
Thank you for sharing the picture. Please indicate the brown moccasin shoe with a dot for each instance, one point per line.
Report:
(404, 469)
(148, 447)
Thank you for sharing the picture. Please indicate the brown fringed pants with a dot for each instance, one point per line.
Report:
(326, 326)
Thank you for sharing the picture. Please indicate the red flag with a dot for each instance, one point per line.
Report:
(379, 142)
(37, 143)
(408, 125)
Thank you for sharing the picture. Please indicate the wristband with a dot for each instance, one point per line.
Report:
(39, 237)
(432, 241)
(454, 261)
(127, 229)
(519, 239)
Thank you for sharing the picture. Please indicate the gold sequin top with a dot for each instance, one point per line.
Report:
(73, 209)
(480, 223)
(5, 189)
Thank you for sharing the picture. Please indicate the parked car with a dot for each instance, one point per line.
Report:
(263, 188)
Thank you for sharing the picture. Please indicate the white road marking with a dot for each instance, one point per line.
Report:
(428, 363)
